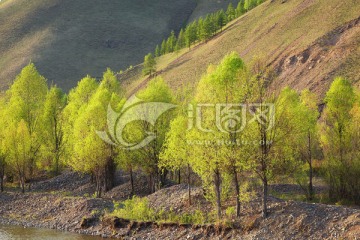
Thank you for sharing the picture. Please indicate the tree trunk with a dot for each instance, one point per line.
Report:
(188, 182)
(98, 185)
(179, 176)
(109, 174)
(217, 181)
(151, 183)
(132, 182)
(311, 188)
(237, 190)
(22, 183)
(56, 164)
(1, 183)
(2, 175)
(162, 176)
(265, 195)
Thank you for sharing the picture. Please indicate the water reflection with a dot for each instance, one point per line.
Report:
(20, 233)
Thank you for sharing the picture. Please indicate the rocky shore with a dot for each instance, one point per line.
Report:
(58, 204)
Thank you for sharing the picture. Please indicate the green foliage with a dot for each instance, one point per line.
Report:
(138, 209)
(78, 100)
(191, 34)
(149, 65)
(175, 154)
(180, 43)
(339, 141)
(171, 42)
(157, 51)
(213, 161)
(204, 28)
(24, 108)
(87, 108)
(250, 4)
(156, 91)
(135, 209)
(240, 9)
(53, 141)
(230, 12)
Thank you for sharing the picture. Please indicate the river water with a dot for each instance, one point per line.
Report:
(20, 233)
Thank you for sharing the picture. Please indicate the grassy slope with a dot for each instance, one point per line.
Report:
(68, 39)
(276, 31)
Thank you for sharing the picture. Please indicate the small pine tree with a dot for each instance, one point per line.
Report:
(163, 47)
(230, 12)
(180, 43)
(149, 65)
(157, 51)
(205, 29)
(240, 10)
(250, 4)
(191, 33)
(221, 19)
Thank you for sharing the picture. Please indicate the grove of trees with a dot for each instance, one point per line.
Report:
(204, 28)
(231, 131)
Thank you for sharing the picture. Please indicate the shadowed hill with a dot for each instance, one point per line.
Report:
(307, 42)
(209, 6)
(68, 39)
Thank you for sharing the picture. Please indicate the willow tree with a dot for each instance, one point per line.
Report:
(19, 149)
(353, 181)
(336, 136)
(25, 105)
(3, 154)
(53, 132)
(153, 122)
(77, 100)
(309, 139)
(91, 153)
(175, 154)
(218, 112)
(273, 128)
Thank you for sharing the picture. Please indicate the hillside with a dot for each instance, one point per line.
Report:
(307, 42)
(69, 39)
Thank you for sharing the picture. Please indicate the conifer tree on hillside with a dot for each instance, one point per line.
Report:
(240, 9)
(180, 43)
(171, 42)
(149, 65)
(157, 51)
(221, 19)
(163, 47)
(191, 34)
(230, 12)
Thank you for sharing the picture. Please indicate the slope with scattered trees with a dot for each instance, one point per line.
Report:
(238, 128)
